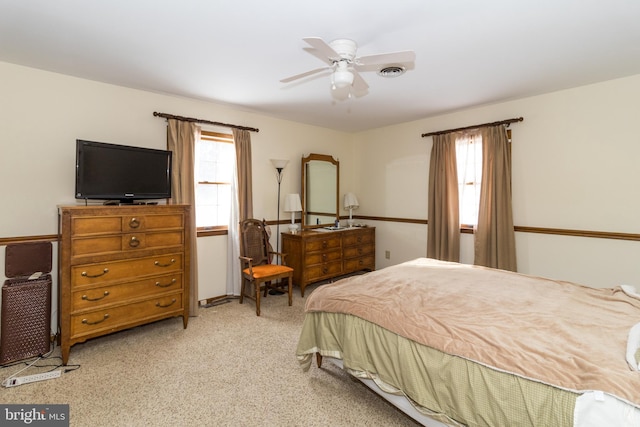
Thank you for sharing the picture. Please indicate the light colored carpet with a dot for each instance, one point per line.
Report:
(228, 368)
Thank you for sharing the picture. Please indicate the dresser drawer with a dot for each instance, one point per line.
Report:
(90, 274)
(125, 242)
(357, 264)
(157, 240)
(320, 257)
(83, 226)
(321, 271)
(359, 238)
(91, 225)
(92, 298)
(322, 244)
(160, 222)
(358, 251)
(114, 318)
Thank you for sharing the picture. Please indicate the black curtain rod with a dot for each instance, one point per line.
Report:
(501, 122)
(191, 119)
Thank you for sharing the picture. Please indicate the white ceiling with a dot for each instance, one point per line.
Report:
(235, 52)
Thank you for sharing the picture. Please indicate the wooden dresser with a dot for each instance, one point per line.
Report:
(317, 255)
(120, 267)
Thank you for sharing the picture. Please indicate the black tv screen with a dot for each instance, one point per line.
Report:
(120, 172)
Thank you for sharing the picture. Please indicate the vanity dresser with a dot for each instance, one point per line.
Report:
(120, 267)
(322, 255)
(321, 251)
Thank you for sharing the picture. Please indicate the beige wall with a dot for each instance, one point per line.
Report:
(575, 159)
(574, 167)
(42, 114)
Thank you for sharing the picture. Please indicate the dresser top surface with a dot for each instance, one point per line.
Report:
(326, 232)
(109, 209)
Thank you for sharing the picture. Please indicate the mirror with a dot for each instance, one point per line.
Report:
(320, 184)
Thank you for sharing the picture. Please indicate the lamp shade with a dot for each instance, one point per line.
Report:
(279, 164)
(292, 203)
(350, 201)
(342, 78)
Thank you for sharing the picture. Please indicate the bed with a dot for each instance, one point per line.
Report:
(454, 344)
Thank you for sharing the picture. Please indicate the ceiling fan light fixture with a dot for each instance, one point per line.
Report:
(341, 78)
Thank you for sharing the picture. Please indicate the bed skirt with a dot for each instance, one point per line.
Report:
(447, 388)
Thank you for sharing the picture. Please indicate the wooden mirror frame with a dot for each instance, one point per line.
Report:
(305, 192)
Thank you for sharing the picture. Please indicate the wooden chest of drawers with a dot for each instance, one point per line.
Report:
(316, 255)
(121, 267)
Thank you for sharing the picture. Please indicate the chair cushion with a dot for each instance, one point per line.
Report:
(266, 270)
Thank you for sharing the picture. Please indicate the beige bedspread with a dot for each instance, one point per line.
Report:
(562, 334)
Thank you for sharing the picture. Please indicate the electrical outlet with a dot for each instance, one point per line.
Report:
(387, 254)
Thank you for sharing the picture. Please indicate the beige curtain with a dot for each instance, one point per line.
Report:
(242, 141)
(495, 237)
(181, 140)
(241, 207)
(443, 237)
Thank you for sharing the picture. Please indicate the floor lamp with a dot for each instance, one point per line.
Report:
(279, 165)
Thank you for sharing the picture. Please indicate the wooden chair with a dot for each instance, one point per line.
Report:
(257, 271)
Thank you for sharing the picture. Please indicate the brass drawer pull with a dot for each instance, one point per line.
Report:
(134, 223)
(86, 322)
(85, 274)
(134, 242)
(160, 285)
(86, 298)
(168, 305)
(164, 265)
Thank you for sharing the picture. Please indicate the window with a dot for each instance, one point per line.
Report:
(215, 157)
(469, 164)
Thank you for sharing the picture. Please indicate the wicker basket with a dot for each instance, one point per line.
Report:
(25, 324)
(26, 318)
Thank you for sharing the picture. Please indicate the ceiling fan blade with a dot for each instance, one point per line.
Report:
(323, 47)
(308, 73)
(359, 85)
(387, 58)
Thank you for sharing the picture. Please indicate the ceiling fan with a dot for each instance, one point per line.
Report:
(340, 55)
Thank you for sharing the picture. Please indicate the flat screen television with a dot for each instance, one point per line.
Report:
(121, 173)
